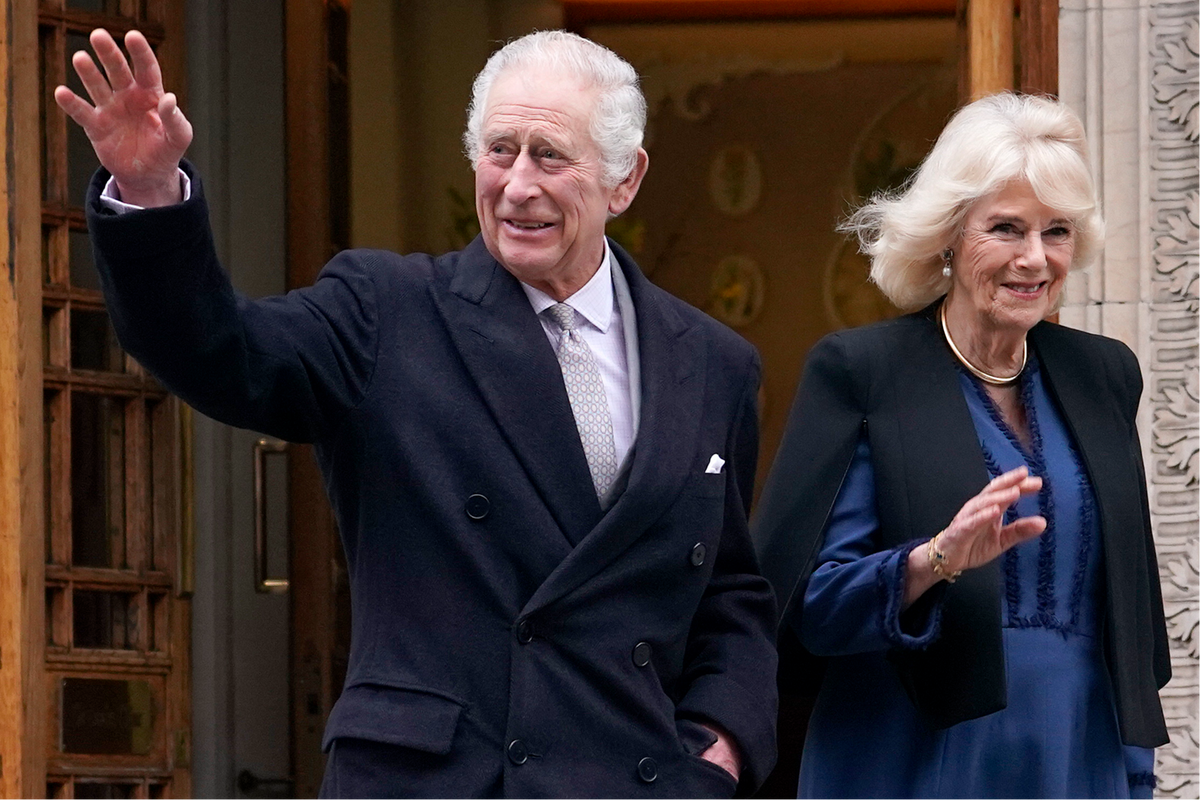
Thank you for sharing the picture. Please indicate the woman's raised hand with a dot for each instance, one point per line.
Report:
(137, 130)
(977, 534)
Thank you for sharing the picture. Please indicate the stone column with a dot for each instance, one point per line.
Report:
(1130, 68)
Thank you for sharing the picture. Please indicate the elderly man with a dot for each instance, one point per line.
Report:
(540, 463)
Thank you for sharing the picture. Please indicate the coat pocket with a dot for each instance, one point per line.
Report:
(406, 717)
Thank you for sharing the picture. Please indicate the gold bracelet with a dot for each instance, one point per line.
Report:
(937, 560)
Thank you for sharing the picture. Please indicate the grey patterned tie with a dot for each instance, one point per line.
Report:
(589, 403)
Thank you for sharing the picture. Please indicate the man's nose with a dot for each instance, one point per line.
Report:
(523, 178)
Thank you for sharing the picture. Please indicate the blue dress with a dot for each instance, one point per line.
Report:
(1058, 737)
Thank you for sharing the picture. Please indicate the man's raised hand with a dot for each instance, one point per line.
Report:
(137, 130)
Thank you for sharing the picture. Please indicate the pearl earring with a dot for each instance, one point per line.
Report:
(947, 257)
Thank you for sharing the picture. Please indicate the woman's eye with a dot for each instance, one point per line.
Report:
(1058, 232)
(1005, 228)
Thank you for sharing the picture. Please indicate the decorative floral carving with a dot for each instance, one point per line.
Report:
(1176, 418)
(1177, 252)
(1175, 79)
(1173, 389)
(1180, 575)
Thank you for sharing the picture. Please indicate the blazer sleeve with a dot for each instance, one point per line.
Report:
(288, 366)
(730, 662)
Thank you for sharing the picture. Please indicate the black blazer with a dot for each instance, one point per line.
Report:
(509, 637)
(898, 382)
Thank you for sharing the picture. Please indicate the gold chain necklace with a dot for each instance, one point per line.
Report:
(974, 370)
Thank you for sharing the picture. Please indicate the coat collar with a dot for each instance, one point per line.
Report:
(514, 367)
(673, 361)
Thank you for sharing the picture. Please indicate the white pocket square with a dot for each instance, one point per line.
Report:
(715, 465)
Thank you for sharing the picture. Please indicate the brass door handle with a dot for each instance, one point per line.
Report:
(262, 583)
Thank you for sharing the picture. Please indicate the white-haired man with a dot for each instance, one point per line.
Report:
(540, 463)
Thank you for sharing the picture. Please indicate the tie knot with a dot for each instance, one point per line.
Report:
(563, 315)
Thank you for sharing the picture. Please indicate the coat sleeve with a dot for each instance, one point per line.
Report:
(730, 662)
(288, 366)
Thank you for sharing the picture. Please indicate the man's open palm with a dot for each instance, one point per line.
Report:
(137, 130)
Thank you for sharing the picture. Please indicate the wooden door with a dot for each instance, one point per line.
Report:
(116, 579)
(103, 628)
(1005, 45)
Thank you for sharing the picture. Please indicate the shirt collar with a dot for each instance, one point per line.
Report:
(594, 301)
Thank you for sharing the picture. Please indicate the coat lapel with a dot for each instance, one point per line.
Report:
(1090, 416)
(944, 468)
(512, 363)
(673, 360)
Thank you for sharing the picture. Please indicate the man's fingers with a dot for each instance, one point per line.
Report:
(145, 64)
(175, 125)
(112, 59)
(89, 74)
(75, 106)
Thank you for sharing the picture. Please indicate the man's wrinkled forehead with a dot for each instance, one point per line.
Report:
(553, 90)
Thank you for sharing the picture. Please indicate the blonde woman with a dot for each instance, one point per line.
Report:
(957, 518)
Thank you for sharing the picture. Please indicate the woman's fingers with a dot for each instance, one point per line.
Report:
(1010, 491)
(1020, 530)
(1002, 497)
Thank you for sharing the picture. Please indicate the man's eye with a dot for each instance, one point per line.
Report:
(551, 154)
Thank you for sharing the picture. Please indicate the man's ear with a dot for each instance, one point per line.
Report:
(627, 189)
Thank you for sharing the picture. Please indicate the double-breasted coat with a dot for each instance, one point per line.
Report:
(510, 638)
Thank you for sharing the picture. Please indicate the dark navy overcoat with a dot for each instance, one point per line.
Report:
(509, 638)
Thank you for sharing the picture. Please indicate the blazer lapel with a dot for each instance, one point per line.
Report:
(945, 468)
(512, 363)
(673, 358)
(1089, 415)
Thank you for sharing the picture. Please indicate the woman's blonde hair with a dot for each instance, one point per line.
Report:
(987, 144)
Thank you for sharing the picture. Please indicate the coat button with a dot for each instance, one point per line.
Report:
(648, 770)
(698, 554)
(641, 655)
(477, 507)
(517, 752)
(525, 632)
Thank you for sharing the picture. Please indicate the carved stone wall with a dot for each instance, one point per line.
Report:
(1172, 42)
(1132, 72)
